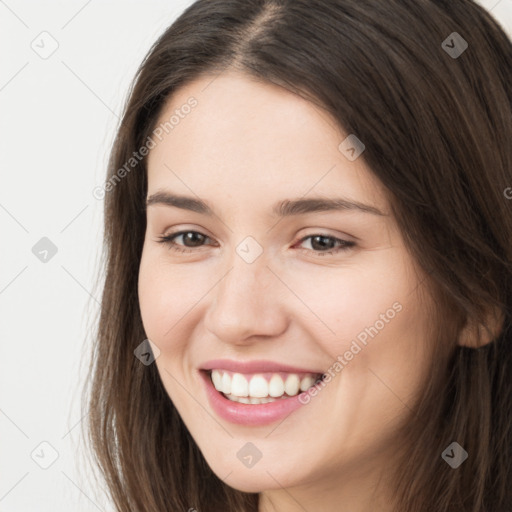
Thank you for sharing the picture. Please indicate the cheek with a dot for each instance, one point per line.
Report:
(345, 302)
(159, 295)
(167, 294)
(372, 317)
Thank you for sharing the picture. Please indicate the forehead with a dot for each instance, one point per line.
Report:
(246, 136)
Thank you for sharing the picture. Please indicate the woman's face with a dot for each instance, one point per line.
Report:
(305, 288)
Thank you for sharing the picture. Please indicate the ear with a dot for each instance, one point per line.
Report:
(476, 335)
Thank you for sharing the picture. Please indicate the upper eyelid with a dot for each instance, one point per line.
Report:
(185, 231)
(170, 232)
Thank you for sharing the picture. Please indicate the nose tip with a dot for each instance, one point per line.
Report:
(244, 305)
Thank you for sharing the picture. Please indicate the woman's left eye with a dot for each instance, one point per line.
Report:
(325, 243)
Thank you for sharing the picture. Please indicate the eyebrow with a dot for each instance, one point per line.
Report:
(284, 208)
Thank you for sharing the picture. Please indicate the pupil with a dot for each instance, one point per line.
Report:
(322, 245)
(190, 236)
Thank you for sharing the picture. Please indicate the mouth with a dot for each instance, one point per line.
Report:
(261, 388)
(259, 392)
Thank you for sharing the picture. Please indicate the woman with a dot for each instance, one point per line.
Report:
(308, 263)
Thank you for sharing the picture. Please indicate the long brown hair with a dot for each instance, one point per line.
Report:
(437, 127)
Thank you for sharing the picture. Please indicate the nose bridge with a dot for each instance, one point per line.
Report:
(243, 302)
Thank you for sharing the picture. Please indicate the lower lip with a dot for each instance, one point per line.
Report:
(249, 414)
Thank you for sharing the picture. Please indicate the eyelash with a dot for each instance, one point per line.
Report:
(169, 241)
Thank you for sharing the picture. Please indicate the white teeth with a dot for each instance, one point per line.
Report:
(250, 400)
(217, 379)
(239, 385)
(306, 383)
(257, 389)
(276, 386)
(226, 384)
(292, 384)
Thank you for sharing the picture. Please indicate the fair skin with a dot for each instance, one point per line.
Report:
(246, 146)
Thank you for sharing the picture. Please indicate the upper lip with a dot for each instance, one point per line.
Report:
(257, 366)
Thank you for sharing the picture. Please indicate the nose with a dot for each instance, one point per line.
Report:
(248, 302)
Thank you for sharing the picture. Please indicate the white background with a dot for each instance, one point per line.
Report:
(57, 121)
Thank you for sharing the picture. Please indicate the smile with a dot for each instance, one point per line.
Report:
(261, 388)
(256, 399)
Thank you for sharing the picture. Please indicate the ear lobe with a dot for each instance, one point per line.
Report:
(476, 335)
